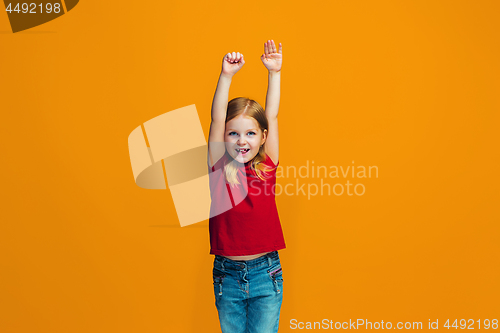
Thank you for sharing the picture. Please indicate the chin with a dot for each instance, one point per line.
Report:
(247, 159)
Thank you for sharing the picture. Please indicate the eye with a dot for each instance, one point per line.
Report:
(231, 133)
(253, 133)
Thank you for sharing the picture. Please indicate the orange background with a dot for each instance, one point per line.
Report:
(409, 86)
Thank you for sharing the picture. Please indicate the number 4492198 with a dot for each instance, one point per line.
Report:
(469, 324)
(32, 8)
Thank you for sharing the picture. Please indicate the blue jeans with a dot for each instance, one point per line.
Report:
(248, 294)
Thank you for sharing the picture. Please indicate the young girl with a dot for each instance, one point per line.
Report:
(245, 229)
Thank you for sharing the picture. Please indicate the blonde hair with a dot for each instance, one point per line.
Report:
(250, 108)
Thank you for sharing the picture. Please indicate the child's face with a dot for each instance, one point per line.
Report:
(243, 138)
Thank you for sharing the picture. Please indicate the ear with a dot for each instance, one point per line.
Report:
(264, 136)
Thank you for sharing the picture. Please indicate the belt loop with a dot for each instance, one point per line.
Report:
(222, 263)
(269, 260)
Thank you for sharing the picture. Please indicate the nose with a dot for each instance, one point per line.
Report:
(241, 141)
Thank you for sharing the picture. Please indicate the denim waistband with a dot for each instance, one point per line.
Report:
(238, 264)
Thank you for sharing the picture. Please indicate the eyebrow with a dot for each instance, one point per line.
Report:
(253, 129)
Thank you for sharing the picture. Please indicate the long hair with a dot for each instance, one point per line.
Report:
(250, 108)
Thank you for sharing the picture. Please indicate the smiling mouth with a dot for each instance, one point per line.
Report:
(242, 151)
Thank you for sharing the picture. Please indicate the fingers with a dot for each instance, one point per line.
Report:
(238, 57)
(234, 57)
(270, 47)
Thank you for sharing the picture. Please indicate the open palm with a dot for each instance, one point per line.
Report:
(272, 58)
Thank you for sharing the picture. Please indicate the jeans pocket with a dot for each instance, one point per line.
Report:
(218, 277)
(276, 275)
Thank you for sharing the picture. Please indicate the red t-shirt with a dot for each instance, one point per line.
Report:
(244, 218)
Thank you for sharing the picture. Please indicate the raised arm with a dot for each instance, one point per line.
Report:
(231, 64)
(272, 59)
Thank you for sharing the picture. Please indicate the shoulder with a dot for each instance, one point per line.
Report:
(270, 162)
(219, 164)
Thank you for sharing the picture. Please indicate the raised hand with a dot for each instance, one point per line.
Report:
(232, 63)
(272, 58)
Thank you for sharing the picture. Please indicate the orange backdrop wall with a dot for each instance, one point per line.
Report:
(411, 87)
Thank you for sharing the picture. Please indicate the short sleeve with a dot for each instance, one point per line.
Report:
(218, 165)
(270, 162)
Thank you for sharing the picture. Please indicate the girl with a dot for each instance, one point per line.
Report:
(245, 230)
